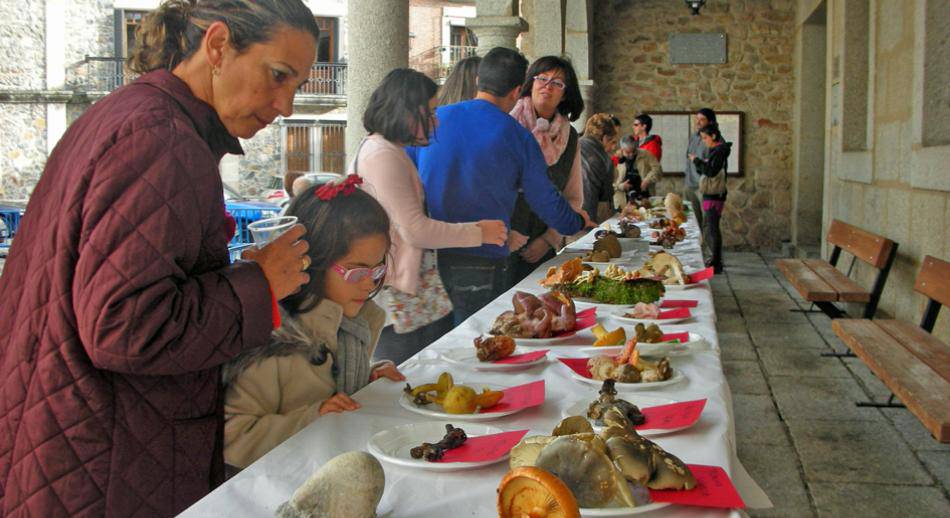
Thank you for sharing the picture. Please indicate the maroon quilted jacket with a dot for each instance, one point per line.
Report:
(118, 306)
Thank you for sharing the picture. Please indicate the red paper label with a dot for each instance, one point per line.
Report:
(674, 313)
(523, 358)
(701, 275)
(484, 448)
(522, 396)
(578, 365)
(675, 337)
(669, 417)
(668, 304)
(713, 488)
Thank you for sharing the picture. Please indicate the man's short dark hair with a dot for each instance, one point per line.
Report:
(646, 120)
(501, 71)
(399, 105)
(708, 113)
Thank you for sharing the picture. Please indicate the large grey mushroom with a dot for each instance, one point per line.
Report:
(348, 486)
(587, 471)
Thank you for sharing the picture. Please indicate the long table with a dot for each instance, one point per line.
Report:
(262, 487)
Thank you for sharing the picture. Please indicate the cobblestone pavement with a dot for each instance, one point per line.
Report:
(798, 431)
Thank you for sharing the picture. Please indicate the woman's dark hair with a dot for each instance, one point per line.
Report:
(501, 71)
(646, 120)
(712, 129)
(332, 226)
(173, 32)
(616, 121)
(460, 85)
(399, 105)
(708, 113)
(571, 104)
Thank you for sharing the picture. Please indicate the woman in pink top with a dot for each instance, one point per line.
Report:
(401, 113)
(550, 100)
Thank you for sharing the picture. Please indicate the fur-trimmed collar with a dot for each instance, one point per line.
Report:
(312, 334)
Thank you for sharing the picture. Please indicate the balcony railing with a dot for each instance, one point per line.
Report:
(438, 62)
(326, 79)
(105, 74)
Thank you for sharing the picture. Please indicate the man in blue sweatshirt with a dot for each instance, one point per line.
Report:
(472, 169)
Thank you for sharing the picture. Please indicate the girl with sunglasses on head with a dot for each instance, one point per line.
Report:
(320, 354)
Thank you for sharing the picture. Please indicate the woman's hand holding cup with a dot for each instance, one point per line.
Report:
(283, 261)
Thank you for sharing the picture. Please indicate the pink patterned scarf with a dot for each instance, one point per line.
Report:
(551, 136)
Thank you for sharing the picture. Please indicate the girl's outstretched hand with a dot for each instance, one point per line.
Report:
(387, 370)
(339, 403)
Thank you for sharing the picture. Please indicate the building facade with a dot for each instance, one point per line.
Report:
(60, 56)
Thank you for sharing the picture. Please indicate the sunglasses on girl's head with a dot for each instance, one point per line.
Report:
(355, 275)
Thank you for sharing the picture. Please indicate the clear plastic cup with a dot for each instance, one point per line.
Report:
(266, 230)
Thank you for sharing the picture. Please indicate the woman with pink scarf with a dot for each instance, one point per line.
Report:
(550, 100)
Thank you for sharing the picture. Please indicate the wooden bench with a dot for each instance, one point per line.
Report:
(913, 363)
(821, 283)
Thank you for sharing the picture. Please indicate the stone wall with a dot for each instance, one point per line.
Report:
(903, 192)
(91, 28)
(261, 161)
(632, 74)
(22, 51)
(22, 149)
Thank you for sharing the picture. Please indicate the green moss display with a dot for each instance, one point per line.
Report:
(609, 291)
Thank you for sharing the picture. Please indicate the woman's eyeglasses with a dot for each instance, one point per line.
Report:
(355, 275)
(550, 81)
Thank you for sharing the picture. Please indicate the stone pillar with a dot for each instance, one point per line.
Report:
(377, 41)
(55, 70)
(496, 23)
(577, 47)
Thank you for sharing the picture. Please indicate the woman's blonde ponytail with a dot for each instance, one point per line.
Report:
(160, 40)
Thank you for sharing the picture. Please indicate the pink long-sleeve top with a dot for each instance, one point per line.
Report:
(391, 177)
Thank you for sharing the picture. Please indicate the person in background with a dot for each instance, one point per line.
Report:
(642, 125)
(461, 83)
(712, 187)
(473, 168)
(119, 302)
(320, 354)
(598, 142)
(550, 101)
(696, 148)
(637, 172)
(401, 112)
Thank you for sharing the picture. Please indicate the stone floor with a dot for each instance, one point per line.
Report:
(798, 431)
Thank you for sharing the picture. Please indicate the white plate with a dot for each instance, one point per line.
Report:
(544, 341)
(467, 358)
(677, 377)
(623, 511)
(579, 407)
(657, 349)
(393, 445)
(435, 409)
(619, 316)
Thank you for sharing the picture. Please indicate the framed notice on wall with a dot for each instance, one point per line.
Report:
(675, 129)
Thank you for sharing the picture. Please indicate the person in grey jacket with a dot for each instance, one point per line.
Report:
(696, 148)
(598, 142)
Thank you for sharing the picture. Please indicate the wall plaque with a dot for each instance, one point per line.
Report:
(698, 48)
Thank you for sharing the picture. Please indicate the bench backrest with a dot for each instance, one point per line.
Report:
(934, 280)
(867, 247)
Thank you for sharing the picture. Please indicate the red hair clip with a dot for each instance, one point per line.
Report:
(331, 190)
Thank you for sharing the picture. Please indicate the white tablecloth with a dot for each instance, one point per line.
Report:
(259, 489)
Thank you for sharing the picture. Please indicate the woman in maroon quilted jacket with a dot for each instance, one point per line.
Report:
(119, 304)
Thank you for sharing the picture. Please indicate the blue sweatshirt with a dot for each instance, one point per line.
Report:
(474, 166)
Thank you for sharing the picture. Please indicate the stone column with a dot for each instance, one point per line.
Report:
(577, 47)
(55, 70)
(377, 41)
(497, 24)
